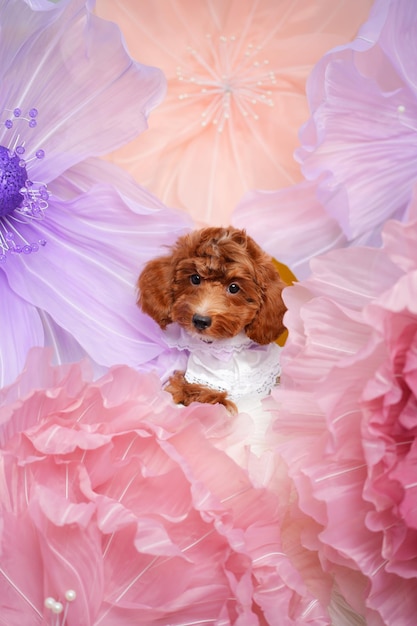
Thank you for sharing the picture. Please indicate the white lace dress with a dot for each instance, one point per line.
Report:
(244, 369)
(236, 365)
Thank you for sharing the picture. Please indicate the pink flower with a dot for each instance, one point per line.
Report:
(119, 507)
(236, 92)
(348, 407)
(359, 165)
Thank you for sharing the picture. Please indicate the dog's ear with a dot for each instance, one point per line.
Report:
(268, 325)
(154, 290)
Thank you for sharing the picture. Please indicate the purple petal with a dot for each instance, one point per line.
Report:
(366, 38)
(398, 39)
(47, 5)
(21, 329)
(290, 224)
(73, 68)
(85, 276)
(369, 160)
(65, 348)
(370, 31)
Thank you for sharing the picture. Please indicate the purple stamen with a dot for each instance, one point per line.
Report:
(21, 200)
(13, 177)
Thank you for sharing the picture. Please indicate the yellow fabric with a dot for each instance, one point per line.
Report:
(289, 278)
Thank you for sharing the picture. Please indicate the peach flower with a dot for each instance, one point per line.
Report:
(236, 99)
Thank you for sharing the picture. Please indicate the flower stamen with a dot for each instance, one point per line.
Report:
(232, 80)
(58, 609)
(22, 200)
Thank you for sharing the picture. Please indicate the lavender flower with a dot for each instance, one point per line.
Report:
(71, 243)
(358, 149)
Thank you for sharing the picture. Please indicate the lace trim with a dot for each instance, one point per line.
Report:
(263, 390)
(177, 337)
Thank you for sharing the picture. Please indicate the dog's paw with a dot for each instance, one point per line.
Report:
(185, 393)
(175, 386)
(230, 406)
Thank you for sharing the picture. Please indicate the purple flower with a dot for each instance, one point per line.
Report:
(361, 138)
(71, 242)
(358, 150)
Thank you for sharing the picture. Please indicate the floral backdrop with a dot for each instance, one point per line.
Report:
(125, 123)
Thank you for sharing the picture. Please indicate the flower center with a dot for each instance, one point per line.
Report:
(22, 201)
(227, 81)
(13, 177)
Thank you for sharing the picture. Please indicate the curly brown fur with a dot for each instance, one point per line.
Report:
(215, 282)
(185, 393)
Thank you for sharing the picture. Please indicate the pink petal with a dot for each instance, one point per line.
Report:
(22, 595)
(70, 547)
(130, 517)
(346, 416)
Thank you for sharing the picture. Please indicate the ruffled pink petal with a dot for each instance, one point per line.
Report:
(73, 68)
(346, 412)
(70, 545)
(130, 517)
(401, 249)
(21, 591)
(236, 82)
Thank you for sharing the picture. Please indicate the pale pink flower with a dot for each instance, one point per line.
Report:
(236, 75)
(348, 407)
(131, 504)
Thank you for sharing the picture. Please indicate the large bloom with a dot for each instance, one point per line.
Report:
(119, 507)
(71, 244)
(348, 405)
(236, 75)
(358, 150)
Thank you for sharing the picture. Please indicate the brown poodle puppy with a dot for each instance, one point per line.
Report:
(216, 284)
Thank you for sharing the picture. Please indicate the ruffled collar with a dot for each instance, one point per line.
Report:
(177, 337)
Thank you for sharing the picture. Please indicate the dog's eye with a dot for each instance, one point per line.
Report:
(195, 279)
(233, 288)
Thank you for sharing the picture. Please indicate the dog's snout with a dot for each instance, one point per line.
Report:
(201, 322)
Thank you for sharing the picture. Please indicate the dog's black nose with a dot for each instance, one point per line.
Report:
(201, 322)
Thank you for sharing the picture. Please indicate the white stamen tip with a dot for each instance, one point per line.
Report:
(57, 608)
(49, 602)
(70, 595)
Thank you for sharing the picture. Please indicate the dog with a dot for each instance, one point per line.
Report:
(217, 295)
